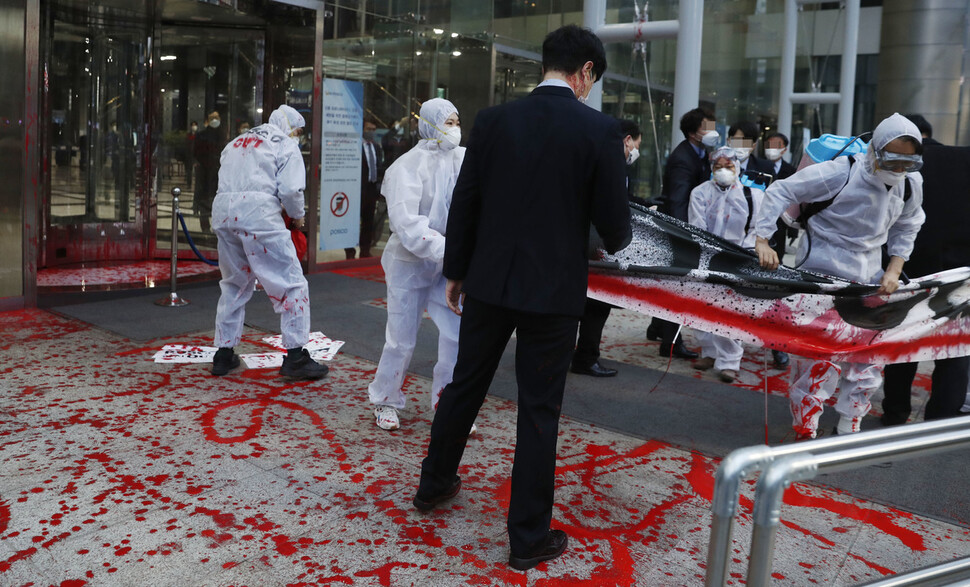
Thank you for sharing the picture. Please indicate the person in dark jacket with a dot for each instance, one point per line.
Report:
(208, 147)
(687, 167)
(537, 172)
(942, 243)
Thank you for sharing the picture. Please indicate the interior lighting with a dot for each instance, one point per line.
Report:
(168, 57)
(438, 31)
(456, 53)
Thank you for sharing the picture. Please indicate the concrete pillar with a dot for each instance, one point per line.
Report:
(921, 64)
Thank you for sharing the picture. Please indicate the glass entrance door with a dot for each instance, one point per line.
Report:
(96, 141)
(205, 74)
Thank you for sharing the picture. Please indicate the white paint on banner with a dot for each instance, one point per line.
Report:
(342, 129)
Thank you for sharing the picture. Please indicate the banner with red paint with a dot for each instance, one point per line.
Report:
(686, 275)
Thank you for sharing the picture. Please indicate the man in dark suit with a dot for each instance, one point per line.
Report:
(942, 243)
(743, 138)
(537, 172)
(687, 167)
(371, 174)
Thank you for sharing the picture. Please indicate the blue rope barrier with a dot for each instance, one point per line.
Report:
(185, 231)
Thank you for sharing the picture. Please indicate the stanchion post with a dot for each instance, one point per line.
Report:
(173, 300)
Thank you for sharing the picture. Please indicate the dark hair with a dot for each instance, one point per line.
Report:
(371, 120)
(747, 128)
(629, 128)
(567, 48)
(692, 120)
(912, 141)
(924, 126)
(773, 135)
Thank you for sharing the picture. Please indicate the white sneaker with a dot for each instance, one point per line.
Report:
(473, 430)
(387, 418)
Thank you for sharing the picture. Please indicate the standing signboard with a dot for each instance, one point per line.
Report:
(342, 129)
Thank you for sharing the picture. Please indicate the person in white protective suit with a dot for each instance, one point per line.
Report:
(418, 188)
(724, 207)
(261, 174)
(877, 200)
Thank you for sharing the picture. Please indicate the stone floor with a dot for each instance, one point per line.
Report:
(115, 470)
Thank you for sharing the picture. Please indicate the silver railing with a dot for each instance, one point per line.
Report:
(173, 299)
(799, 462)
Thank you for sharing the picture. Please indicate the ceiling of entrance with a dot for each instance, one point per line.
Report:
(240, 13)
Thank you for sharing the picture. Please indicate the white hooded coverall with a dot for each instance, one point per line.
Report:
(261, 174)
(846, 241)
(724, 212)
(418, 188)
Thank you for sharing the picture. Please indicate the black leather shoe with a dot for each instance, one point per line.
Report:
(653, 332)
(429, 503)
(550, 548)
(594, 370)
(679, 351)
(780, 358)
(225, 361)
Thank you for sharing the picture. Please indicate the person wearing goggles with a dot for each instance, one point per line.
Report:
(873, 199)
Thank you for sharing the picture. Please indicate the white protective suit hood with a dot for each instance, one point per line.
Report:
(431, 124)
(729, 154)
(287, 119)
(886, 132)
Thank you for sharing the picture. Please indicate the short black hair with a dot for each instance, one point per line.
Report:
(630, 128)
(747, 128)
(773, 135)
(692, 120)
(924, 126)
(567, 48)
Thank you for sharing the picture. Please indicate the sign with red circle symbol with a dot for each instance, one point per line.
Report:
(339, 204)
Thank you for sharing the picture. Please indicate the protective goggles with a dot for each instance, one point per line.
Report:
(898, 162)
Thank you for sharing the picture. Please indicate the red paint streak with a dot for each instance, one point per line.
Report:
(4, 516)
(383, 572)
(885, 522)
(872, 565)
(74, 583)
(425, 536)
(774, 327)
(701, 476)
(806, 532)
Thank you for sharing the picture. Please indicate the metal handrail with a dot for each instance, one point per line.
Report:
(746, 461)
(779, 474)
(947, 573)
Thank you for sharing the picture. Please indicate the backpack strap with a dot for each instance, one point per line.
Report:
(813, 208)
(747, 198)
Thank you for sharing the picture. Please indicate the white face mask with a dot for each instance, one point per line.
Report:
(451, 139)
(724, 177)
(214, 123)
(774, 154)
(742, 153)
(890, 177)
(633, 156)
(710, 139)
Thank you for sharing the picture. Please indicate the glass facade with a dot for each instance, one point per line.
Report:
(126, 79)
(12, 148)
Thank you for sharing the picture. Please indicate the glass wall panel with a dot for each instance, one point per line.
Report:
(403, 58)
(12, 55)
(98, 72)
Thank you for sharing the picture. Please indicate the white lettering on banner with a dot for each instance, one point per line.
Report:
(341, 126)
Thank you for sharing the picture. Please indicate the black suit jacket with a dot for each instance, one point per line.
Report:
(683, 172)
(943, 241)
(786, 169)
(536, 172)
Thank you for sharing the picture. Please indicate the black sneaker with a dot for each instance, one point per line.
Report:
(301, 366)
(225, 361)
